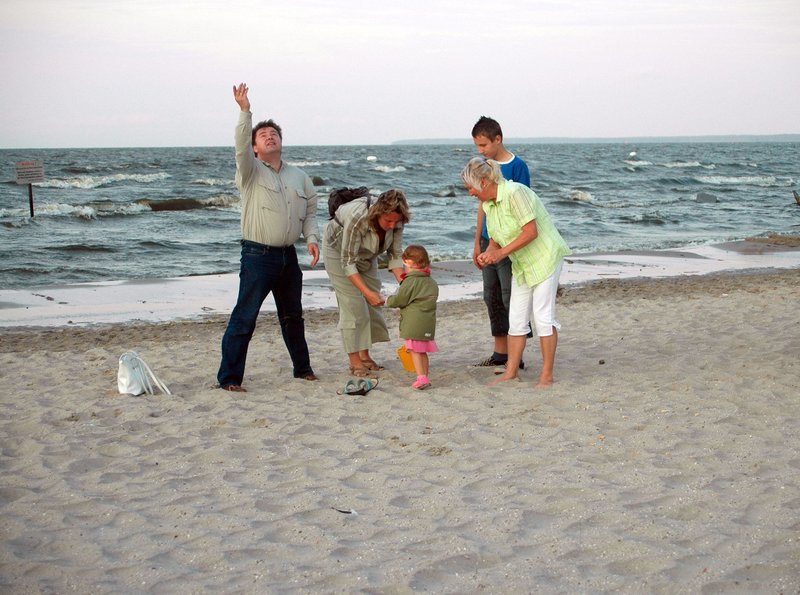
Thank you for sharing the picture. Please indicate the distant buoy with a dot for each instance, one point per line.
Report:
(371, 158)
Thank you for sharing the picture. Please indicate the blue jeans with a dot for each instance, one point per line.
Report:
(265, 269)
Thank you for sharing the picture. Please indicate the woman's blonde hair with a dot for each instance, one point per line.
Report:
(480, 168)
(391, 201)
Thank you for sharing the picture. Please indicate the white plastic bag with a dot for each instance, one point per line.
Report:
(135, 377)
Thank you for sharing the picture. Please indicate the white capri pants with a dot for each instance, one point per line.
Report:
(537, 304)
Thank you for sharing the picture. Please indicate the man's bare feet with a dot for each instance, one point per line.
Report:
(544, 382)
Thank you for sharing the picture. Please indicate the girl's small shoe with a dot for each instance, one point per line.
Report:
(421, 383)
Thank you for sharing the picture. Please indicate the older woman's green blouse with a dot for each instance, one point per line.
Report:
(515, 206)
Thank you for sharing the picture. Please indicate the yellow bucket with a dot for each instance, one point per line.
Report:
(405, 357)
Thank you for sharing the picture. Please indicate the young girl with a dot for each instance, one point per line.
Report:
(416, 299)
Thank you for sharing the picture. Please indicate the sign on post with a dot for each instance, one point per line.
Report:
(30, 172)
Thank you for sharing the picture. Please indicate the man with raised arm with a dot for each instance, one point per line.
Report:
(279, 204)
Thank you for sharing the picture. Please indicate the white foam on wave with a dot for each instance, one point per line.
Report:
(17, 212)
(581, 196)
(223, 200)
(587, 198)
(318, 163)
(86, 212)
(387, 169)
(65, 210)
(689, 164)
(88, 182)
(213, 182)
(125, 209)
(763, 181)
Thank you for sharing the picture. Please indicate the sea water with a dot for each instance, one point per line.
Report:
(139, 213)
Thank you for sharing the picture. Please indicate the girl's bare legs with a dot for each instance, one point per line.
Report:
(420, 361)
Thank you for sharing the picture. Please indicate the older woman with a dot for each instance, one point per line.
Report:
(520, 228)
(360, 231)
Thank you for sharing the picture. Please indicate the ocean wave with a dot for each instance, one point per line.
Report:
(79, 169)
(222, 200)
(213, 182)
(459, 235)
(89, 182)
(762, 181)
(586, 197)
(388, 169)
(14, 212)
(688, 164)
(80, 248)
(446, 192)
(581, 196)
(64, 210)
(643, 219)
(18, 218)
(112, 209)
(320, 163)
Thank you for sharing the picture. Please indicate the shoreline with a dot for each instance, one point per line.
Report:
(203, 297)
(607, 291)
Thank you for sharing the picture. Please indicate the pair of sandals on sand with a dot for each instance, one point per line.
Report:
(364, 381)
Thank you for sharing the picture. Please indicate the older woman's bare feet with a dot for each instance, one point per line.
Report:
(544, 382)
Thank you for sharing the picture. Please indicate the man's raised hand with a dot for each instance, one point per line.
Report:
(240, 95)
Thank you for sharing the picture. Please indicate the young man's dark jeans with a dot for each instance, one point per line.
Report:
(265, 269)
(497, 292)
(497, 280)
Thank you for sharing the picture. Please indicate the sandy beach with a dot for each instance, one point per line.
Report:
(665, 459)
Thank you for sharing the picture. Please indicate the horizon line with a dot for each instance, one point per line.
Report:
(719, 138)
(782, 137)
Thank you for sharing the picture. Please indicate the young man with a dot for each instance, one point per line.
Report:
(488, 138)
(278, 205)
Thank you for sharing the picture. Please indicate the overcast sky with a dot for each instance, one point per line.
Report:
(111, 73)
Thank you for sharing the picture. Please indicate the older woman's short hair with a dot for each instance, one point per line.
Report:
(391, 201)
(480, 168)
